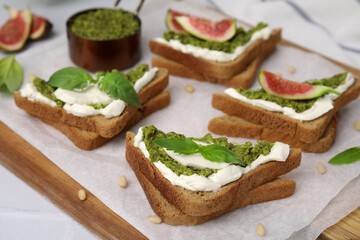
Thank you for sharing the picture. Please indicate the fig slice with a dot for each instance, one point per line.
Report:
(40, 27)
(172, 24)
(16, 30)
(281, 87)
(208, 30)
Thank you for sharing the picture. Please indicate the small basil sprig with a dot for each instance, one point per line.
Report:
(213, 152)
(119, 87)
(348, 156)
(71, 78)
(11, 74)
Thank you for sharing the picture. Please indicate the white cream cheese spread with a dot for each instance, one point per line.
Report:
(320, 107)
(227, 173)
(76, 102)
(215, 55)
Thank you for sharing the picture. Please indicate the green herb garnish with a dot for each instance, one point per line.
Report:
(213, 152)
(71, 78)
(119, 87)
(348, 156)
(11, 74)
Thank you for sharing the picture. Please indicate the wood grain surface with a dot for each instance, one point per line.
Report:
(31, 166)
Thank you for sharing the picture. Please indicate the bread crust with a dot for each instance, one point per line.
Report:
(306, 131)
(89, 140)
(237, 127)
(274, 190)
(245, 79)
(219, 70)
(199, 203)
(105, 127)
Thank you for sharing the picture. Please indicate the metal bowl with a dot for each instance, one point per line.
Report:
(103, 55)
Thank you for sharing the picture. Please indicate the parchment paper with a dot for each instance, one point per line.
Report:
(98, 170)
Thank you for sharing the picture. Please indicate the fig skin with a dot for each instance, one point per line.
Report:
(44, 29)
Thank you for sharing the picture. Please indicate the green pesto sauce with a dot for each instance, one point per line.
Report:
(98, 106)
(132, 76)
(241, 38)
(105, 24)
(47, 90)
(245, 151)
(298, 105)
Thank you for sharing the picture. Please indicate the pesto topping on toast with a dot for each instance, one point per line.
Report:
(246, 152)
(132, 76)
(298, 105)
(47, 91)
(241, 38)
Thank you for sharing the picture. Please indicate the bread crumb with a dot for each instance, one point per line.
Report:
(155, 219)
(122, 181)
(189, 89)
(82, 195)
(321, 168)
(31, 77)
(357, 125)
(291, 70)
(260, 230)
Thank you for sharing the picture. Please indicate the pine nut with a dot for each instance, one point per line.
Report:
(189, 88)
(82, 195)
(31, 77)
(321, 168)
(122, 181)
(357, 125)
(260, 230)
(291, 70)
(279, 74)
(155, 219)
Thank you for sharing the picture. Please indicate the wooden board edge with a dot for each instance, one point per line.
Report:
(34, 168)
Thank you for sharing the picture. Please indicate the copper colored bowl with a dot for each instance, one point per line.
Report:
(103, 55)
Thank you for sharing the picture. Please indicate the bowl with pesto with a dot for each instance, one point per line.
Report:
(103, 39)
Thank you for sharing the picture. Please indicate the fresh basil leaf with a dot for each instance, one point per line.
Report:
(178, 145)
(217, 153)
(348, 156)
(70, 78)
(11, 74)
(119, 87)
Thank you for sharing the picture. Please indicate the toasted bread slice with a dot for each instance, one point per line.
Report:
(244, 79)
(276, 189)
(89, 140)
(105, 127)
(238, 127)
(200, 203)
(306, 131)
(219, 70)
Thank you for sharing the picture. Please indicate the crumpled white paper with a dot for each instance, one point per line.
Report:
(98, 170)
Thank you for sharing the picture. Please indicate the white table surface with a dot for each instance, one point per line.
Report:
(24, 213)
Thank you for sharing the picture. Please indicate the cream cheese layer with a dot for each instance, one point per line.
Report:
(77, 103)
(214, 55)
